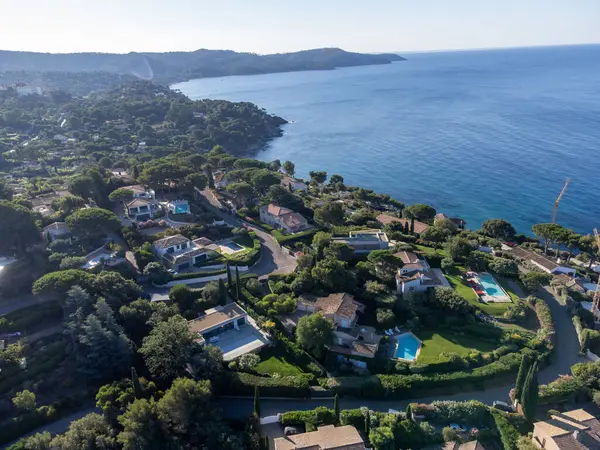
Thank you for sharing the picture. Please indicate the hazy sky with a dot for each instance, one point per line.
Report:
(267, 26)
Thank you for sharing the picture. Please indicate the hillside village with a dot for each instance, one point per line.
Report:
(148, 269)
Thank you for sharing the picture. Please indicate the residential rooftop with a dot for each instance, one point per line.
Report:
(169, 241)
(325, 438)
(216, 316)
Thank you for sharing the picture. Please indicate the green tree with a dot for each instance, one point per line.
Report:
(121, 195)
(17, 223)
(530, 394)
(157, 273)
(314, 333)
(522, 375)
(283, 197)
(409, 413)
(318, 176)
(499, 229)
(135, 382)
(222, 293)
(209, 177)
(113, 400)
(332, 275)
(241, 190)
(142, 428)
(229, 281)
(290, 168)
(459, 248)
(339, 250)
(336, 407)
(504, 267)
(435, 234)
(56, 284)
(183, 296)
(334, 179)
(382, 438)
(93, 222)
(424, 213)
(237, 283)
(90, 432)
(168, 348)
(256, 402)
(330, 213)
(547, 232)
(105, 162)
(24, 400)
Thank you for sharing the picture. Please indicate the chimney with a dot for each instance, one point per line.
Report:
(577, 436)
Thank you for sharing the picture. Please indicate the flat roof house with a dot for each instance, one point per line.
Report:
(179, 253)
(365, 241)
(229, 328)
(572, 430)
(140, 191)
(327, 437)
(283, 218)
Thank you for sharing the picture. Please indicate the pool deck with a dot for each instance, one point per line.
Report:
(488, 298)
(393, 352)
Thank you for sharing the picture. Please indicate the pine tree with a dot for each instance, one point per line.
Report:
(336, 407)
(138, 392)
(237, 283)
(222, 292)
(256, 402)
(530, 395)
(521, 376)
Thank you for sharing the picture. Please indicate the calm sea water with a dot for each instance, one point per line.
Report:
(479, 134)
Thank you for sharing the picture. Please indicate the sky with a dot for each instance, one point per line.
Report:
(275, 26)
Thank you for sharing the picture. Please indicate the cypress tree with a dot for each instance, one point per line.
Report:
(229, 285)
(209, 175)
(138, 392)
(135, 172)
(256, 402)
(222, 293)
(530, 395)
(406, 228)
(367, 423)
(237, 283)
(521, 376)
(409, 413)
(336, 407)
(412, 225)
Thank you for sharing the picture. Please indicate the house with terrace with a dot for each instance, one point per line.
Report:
(365, 241)
(140, 191)
(416, 275)
(56, 230)
(180, 253)
(386, 219)
(460, 223)
(230, 328)
(541, 261)
(140, 209)
(349, 338)
(283, 218)
(293, 184)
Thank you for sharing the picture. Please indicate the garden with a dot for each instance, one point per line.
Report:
(447, 341)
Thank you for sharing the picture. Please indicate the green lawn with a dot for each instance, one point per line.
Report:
(446, 341)
(462, 287)
(276, 363)
(430, 251)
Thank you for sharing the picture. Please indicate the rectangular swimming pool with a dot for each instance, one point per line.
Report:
(491, 286)
(407, 347)
(235, 247)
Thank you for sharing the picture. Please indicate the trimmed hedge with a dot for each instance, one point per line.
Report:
(404, 386)
(240, 383)
(508, 433)
(564, 389)
(317, 417)
(354, 417)
(290, 238)
(190, 275)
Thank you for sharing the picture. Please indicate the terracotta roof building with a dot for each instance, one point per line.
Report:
(325, 438)
(284, 218)
(572, 430)
(386, 219)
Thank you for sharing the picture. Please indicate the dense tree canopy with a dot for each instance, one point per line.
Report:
(314, 332)
(17, 229)
(93, 222)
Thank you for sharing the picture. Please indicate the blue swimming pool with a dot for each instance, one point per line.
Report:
(181, 210)
(491, 286)
(233, 246)
(408, 346)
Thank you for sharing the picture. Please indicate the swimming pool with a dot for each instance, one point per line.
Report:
(181, 209)
(233, 246)
(491, 286)
(408, 347)
(97, 259)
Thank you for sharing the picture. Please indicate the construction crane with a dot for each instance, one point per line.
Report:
(596, 303)
(557, 201)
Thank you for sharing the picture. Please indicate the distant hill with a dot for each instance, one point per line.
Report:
(171, 67)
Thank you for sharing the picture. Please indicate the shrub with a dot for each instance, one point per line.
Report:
(385, 317)
(354, 417)
(291, 386)
(508, 433)
(248, 362)
(317, 417)
(72, 262)
(565, 388)
(504, 267)
(533, 280)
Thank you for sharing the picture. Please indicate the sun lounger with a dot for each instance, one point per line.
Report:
(397, 330)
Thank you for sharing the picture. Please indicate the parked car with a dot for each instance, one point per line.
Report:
(503, 406)
(458, 427)
(288, 431)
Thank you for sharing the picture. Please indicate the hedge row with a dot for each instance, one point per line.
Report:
(317, 417)
(33, 316)
(290, 238)
(190, 275)
(403, 386)
(250, 258)
(508, 433)
(240, 383)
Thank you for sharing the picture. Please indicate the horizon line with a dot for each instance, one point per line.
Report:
(398, 52)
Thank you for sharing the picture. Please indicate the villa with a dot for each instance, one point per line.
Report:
(229, 328)
(365, 241)
(416, 275)
(56, 230)
(179, 253)
(293, 184)
(283, 218)
(460, 223)
(140, 191)
(386, 219)
(140, 209)
(349, 338)
(178, 207)
(325, 437)
(570, 430)
(541, 261)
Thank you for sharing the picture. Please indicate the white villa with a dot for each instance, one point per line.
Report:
(365, 241)
(283, 218)
(56, 230)
(140, 191)
(544, 263)
(179, 253)
(140, 209)
(416, 275)
(229, 328)
(293, 184)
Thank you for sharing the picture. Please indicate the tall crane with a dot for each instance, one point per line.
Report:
(557, 201)
(596, 302)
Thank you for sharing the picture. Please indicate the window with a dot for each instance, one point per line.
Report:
(171, 250)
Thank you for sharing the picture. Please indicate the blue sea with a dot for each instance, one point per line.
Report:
(476, 134)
